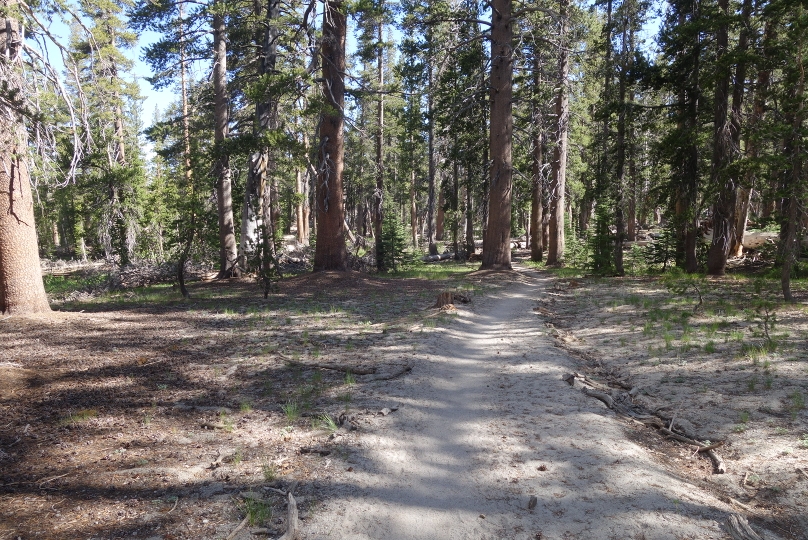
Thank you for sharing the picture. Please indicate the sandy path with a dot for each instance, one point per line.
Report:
(479, 420)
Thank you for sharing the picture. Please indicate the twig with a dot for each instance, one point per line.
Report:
(176, 502)
(152, 363)
(713, 446)
(6, 318)
(237, 529)
(52, 479)
(805, 474)
(680, 438)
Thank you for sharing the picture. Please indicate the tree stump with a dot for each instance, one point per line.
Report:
(444, 299)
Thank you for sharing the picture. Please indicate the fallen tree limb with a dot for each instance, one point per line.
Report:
(718, 463)
(369, 374)
(711, 446)
(388, 376)
(624, 406)
(681, 438)
(315, 450)
(440, 257)
(602, 396)
(237, 529)
(356, 370)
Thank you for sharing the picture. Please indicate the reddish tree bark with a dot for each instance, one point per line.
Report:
(497, 238)
(330, 251)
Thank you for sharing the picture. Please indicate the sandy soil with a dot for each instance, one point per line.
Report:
(485, 423)
(138, 416)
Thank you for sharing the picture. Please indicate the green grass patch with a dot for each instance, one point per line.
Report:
(81, 416)
(436, 271)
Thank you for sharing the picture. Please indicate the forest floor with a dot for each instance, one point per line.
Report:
(139, 414)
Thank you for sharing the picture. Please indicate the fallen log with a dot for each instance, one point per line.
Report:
(439, 257)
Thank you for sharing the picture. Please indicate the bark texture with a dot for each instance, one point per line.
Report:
(724, 207)
(497, 239)
(330, 251)
(555, 247)
(228, 249)
(21, 287)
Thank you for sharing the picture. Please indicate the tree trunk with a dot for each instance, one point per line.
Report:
(440, 213)
(742, 202)
(263, 162)
(795, 151)
(455, 203)
(228, 250)
(470, 247)
(626, 56)
(536, 195)
(413, 212)
(21, 287)
(300, 201)
(379, 195)
(752, 144)
(330, 252)
(497, 239)
(555, 248)
(723, 136)
(430, 203)
(187, 185)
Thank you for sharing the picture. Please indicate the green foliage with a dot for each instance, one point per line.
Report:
(291, 410)
(394, 243)
(257, 512)
(577, 251)
(662, 251)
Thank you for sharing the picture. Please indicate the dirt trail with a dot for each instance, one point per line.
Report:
(485, 422)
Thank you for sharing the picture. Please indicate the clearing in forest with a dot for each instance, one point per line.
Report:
(147, 417)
